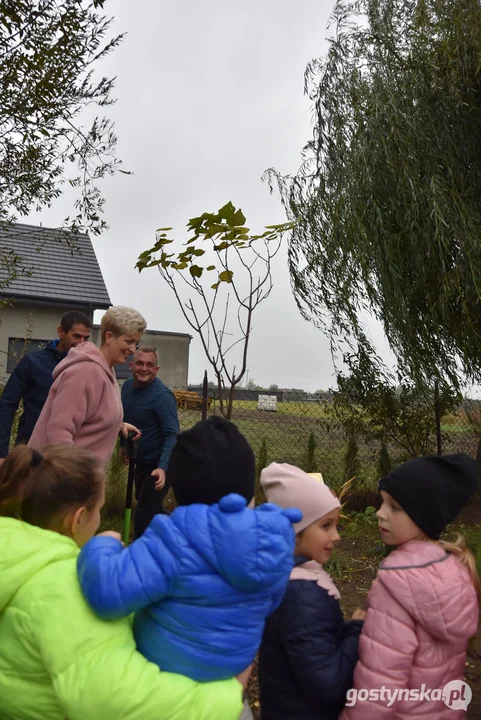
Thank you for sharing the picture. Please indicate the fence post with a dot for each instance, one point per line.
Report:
(205, 391)
(437, 410)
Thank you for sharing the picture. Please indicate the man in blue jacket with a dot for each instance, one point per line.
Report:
(151, 406)
(32, 378)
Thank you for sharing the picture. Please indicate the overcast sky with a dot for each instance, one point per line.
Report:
(210, 94)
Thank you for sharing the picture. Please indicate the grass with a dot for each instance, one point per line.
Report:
(286, 434)
(283, 436)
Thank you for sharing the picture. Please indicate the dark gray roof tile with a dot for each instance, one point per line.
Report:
(64, 266)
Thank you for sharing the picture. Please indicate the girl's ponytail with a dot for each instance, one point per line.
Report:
(13, 475)
(466, 557)
(40, 488)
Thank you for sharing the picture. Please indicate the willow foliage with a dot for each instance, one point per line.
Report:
(388, 199)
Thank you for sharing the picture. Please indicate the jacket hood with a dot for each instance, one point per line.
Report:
(251, 549)
(428, 582)
(52, 347)
(86, 352)
(24, 551)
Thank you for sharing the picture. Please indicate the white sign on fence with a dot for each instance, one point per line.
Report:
(267, 402)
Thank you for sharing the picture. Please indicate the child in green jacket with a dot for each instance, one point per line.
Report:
(57, 659)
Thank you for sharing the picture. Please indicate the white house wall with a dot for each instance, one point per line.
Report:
(173, 353)
(41, 321)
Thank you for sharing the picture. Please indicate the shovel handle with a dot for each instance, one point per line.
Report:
(132, 445)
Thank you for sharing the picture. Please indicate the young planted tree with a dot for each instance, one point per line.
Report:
(384, 463)
(387, 200)
(219, 297)
(352, 464)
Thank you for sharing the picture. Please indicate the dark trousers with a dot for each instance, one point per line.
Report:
(149, 500)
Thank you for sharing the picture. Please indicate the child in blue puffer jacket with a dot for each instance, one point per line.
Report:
(203, 580)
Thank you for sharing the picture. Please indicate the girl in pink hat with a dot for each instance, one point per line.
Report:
(308, 651)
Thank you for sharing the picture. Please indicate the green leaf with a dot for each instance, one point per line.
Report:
(196, 271)
(214, 229)
(195, 222)
(238, 218)
(215, 286)
(163, 229)
(222, 246)
(198, 252)
(281, 226)
(226, 276)
(211, 267)
(227, 211)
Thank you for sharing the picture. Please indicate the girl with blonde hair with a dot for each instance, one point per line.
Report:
(423, 607)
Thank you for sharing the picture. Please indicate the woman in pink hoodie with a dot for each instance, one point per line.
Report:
(423, 606)
(83, 406)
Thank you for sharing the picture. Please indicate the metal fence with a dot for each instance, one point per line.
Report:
(299, 428)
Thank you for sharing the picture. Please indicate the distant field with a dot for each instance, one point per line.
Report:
(286, 434)
(287, 431)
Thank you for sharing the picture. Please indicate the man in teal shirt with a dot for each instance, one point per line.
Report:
(151, 406)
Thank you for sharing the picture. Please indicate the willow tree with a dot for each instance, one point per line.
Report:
(49, 52)
(388, 198)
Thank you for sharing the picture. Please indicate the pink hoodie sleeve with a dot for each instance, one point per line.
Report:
(75, 401)
(387, 646)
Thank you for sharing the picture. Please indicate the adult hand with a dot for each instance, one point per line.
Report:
(159, 476)
(124, 455)
(125, 428)
(359, 614)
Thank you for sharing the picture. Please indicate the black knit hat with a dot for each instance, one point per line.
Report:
(209, 461)
(433, 489)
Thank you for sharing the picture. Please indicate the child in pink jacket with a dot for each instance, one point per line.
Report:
(423, 606)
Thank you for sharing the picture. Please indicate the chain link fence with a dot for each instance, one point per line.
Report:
(302, 429)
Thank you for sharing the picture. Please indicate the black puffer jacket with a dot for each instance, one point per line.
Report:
(307, 656)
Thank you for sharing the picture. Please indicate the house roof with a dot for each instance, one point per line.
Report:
(64, 266)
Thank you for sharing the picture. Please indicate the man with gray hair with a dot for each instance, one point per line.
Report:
(151, 406)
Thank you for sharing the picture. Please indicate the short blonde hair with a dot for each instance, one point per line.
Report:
(121, 320)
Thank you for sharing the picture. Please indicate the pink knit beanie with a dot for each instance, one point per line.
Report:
(288, 486)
